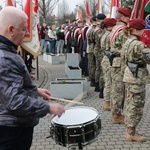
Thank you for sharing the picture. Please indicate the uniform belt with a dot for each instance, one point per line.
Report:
(141, 65)
(116, 55)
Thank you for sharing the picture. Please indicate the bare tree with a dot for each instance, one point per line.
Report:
(92, 6)
(63, 10)
(46, 8)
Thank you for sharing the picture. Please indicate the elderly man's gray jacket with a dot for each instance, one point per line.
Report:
(19, 105)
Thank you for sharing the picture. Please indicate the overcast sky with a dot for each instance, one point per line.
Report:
(71, 3)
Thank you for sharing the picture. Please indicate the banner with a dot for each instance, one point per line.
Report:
(79, 13)
(28, 10)
(87, 10)
(114, 8)
(32, 46)
(10, 3)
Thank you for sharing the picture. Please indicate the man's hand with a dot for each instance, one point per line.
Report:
(46, 94)
(56, 109)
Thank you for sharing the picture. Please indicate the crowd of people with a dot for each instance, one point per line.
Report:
(112, 56)
(114, 59)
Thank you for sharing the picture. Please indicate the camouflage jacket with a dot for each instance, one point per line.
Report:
(117, 44)
(97, 37)
(90, 39)
(105, 41)
(135, 52)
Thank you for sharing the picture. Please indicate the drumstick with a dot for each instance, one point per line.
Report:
(76, 99)
(65, 100)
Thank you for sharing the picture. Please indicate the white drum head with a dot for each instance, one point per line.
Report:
(76, 115)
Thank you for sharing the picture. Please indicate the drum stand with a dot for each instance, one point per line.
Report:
(79, 147)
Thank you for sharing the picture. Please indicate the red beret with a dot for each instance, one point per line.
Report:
(125, 11)
(138, 24)
(109, 22)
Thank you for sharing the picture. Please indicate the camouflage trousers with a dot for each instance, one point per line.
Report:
(99, 72)
(117, 90)
(135, 104)
(91, 65)
(107, 78)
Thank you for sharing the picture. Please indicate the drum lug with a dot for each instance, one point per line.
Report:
(51, 131)
(95, 128)
(83, 134)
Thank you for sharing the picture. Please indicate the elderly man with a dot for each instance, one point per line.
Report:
(20, 108)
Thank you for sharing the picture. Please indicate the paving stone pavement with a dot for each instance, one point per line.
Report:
(112, 137)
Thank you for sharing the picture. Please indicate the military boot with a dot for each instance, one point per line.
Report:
(106, 105)
(101, 95)
(92, 83)
(118, 119)
(132, 135)
(97, 89)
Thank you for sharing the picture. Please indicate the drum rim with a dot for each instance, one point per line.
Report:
(98, 116)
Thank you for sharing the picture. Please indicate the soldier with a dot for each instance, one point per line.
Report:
(109, 23)
(117, 40)
(98, 54)
(90, 47)
(136, 76)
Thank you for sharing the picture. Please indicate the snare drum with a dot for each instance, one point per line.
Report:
(78, 125)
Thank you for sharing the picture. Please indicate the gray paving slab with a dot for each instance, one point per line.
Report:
(112, 137)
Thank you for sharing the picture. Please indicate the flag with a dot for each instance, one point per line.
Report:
(97, 6)
(28, 10)
(114, 8)
(79, 13)
(145, 14)
(135, 10)
(10, 3)
(32, 45)
(87, 10)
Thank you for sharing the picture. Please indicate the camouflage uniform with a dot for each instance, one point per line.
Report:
(118, 88)
(105, 45)
(91, 59)
(99, 56)
(135, 85)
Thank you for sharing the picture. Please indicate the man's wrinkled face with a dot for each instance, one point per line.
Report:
(20, 32)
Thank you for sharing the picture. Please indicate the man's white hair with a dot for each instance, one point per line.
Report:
(10, 15)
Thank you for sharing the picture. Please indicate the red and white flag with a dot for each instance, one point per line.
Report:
(32, 45)
(10, 3)
(87, 10)
(114, 7)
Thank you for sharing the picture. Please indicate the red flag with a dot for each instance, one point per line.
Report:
(114, 7)
(87, 9)
(36, 6)
(28, 11)
(10, 3)
(32, 44)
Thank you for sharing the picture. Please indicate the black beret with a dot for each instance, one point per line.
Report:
(100, 16)
(93, 18)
